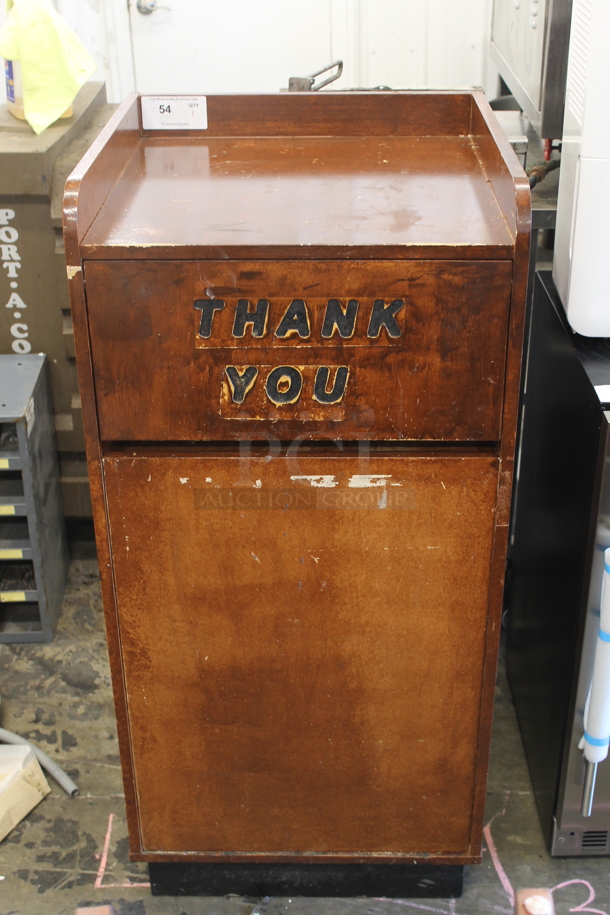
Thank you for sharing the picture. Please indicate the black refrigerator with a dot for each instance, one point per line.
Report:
(560, 529)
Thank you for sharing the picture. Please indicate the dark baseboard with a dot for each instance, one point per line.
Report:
(417, 881)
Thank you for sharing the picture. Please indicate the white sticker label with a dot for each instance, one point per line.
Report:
(174, 112)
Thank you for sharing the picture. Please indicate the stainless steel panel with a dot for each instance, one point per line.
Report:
(529, 46)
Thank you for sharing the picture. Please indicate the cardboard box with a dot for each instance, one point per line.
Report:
(22, 785)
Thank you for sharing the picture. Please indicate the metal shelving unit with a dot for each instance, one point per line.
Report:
(33, 547)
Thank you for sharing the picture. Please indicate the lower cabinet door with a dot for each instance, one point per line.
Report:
(303, 641)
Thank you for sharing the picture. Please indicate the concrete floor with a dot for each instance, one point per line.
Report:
(70, 853)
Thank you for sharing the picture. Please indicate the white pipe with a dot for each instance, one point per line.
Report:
(45, 761)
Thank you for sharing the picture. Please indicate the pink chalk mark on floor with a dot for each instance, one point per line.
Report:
(495, 857)
(420, 905)
(98, 885)
(415, 905)
(584, 906)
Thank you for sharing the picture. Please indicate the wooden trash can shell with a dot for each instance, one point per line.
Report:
(298, 336)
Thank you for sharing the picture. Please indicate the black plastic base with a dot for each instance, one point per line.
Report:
(418, 881)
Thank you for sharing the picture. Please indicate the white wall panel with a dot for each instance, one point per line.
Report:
(201, 46)
(242, 46)
(414, 44)
(103, 28)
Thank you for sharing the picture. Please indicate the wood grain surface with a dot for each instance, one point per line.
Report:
(96, 174)
(441, 378)
(303, 646)
(337, 114)
(336, 708)
(303, 192)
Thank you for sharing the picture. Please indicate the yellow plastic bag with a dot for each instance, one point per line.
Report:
(54, 63)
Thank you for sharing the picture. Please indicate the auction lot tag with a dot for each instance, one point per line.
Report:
(174, 112)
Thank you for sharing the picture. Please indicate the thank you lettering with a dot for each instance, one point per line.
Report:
(267, 330)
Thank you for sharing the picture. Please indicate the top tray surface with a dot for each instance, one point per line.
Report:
(301, 191)
(18, 377)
